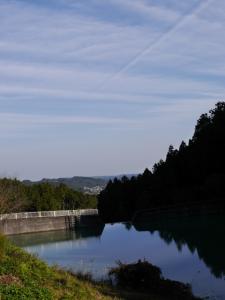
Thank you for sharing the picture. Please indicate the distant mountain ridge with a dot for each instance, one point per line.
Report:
(80, 183)
(76, 182)
(107, 178)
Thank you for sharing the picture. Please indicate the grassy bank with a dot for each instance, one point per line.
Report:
(25, 277)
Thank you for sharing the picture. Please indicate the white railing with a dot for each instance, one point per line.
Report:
(54, 213)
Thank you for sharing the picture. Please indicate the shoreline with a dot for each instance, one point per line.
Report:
(25, 276)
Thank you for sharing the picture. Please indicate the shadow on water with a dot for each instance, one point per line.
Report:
(50, 237)
(204, 234)
(165, 242)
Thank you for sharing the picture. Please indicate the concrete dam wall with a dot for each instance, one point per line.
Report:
(48, 220)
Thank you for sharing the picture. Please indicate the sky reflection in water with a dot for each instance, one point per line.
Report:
(191, 250)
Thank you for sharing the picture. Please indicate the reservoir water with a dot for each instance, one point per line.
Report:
(190, 250)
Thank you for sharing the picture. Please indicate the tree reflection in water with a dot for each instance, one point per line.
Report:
(204, 234)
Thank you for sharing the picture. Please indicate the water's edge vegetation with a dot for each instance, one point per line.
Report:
(24, 276)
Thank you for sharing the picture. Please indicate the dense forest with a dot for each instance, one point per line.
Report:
(15, 196)
(191, 176)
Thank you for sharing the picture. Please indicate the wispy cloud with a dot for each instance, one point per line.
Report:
(157, 63)
(179, 22)
(16, 119)
(148, 9)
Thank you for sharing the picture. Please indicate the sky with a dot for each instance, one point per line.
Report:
(103, 87)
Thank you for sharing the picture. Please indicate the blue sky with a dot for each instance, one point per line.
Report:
(101, 87)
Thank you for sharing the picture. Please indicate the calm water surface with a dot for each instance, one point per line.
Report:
(191, 250)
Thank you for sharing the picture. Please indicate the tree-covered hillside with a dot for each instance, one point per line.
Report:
(78, 183)
(194, 174)
(15, 196)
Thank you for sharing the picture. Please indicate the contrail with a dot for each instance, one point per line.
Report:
(181, 21)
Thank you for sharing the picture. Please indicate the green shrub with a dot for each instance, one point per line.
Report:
(143, 276)
(136, 275)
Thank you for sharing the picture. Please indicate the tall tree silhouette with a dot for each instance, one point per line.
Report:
(194, 174)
